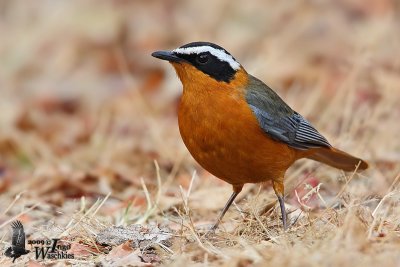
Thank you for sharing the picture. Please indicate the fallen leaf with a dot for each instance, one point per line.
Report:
(131, 259)
(81, 250)
(120, 251)
(143, 237)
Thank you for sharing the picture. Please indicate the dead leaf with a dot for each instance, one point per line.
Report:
(143, 237)
(120, 251)
(81, 250)
(131, 259)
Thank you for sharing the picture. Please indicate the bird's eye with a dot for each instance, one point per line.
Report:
(202, 59)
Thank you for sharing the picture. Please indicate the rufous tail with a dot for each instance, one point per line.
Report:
(338, 159)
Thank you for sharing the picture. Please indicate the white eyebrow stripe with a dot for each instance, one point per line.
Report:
(220, 54)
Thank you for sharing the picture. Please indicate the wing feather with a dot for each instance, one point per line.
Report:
(279, 121)
(18, 235)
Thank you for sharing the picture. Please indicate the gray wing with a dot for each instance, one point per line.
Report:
(18, 235)
(279, 121)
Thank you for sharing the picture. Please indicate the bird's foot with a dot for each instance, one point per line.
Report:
(212, 230)
(207, 230)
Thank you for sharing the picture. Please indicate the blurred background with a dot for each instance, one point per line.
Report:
(85, 110)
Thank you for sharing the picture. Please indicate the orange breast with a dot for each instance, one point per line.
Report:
(222, 134)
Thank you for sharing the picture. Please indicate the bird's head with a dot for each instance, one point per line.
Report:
(205, 63)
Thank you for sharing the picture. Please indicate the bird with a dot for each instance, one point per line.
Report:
(239, 129)
(17, 248)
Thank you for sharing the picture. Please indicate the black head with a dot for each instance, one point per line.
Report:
(209, 58)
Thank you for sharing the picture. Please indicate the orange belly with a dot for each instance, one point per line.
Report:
(222, 134)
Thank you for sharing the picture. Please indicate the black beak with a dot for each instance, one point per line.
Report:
(166, 55)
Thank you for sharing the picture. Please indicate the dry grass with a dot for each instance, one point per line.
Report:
(89, 139)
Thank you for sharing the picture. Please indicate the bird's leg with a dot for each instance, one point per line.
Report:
(224, 210)
(279, 191)
(236, 191)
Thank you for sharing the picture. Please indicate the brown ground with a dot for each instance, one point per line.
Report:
(89, 137)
